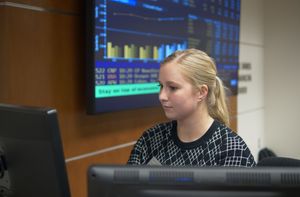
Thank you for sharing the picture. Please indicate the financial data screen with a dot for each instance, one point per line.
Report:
(132, 37)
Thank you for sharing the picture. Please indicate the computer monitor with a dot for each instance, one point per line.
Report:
(32, 160)
(164, 181)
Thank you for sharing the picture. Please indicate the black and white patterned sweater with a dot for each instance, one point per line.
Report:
(219, 146)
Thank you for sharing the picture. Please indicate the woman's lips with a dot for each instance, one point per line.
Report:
(167, 107)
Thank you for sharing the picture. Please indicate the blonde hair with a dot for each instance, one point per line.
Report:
(200, 69)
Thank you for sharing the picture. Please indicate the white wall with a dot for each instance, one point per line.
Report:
(251, 104)
(269, 111)
(282, 76)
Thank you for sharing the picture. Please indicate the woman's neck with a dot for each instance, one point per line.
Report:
(192, 129)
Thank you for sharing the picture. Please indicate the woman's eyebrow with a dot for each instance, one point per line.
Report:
(169, 82)
(172, 83)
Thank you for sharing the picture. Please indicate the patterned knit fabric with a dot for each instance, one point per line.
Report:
(219, 146)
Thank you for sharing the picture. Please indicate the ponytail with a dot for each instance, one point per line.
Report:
(217, 106)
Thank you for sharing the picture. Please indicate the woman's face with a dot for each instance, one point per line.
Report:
(178, 97)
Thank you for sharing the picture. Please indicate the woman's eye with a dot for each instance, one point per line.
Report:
(173, 88)
(160, 86)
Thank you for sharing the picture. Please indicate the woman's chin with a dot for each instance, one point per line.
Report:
(170, 116)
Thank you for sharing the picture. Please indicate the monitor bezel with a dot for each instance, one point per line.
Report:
(165, 181)
(32, 151)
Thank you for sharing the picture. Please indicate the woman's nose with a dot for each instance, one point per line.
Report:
(163, 95)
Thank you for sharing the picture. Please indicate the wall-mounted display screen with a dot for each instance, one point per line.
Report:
(127, 40)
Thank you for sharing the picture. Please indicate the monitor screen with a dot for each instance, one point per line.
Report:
(164, 181)
(32, 160)
(127, 40)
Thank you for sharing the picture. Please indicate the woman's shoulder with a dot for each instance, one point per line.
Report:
(227, 133)
(234, 150)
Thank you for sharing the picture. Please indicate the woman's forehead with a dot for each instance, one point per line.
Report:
(171, 72)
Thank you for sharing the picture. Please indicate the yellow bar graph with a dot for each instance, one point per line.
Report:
(155, 52)
(132, 51)
(141, 50)
(148, 51)
(109, 49)
(116, 49)
(126, 51)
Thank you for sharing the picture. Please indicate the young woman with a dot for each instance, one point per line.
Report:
(193, 98)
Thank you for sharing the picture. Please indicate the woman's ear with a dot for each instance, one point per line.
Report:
(203, 91)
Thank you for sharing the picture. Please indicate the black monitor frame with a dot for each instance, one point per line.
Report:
(32, 159)
(164, 181)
